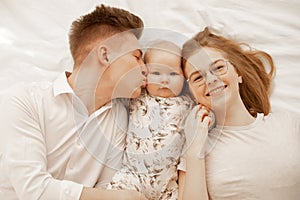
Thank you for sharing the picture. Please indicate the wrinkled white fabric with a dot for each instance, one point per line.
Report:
(259, 161)
(34, 43)
(45, 131)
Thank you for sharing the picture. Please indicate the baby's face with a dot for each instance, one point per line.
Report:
(165, 77)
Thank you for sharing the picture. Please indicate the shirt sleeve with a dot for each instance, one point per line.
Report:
(118, 136)
(116, 151)
(24, 158)
(101, 144)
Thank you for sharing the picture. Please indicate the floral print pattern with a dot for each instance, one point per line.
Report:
(154, 143)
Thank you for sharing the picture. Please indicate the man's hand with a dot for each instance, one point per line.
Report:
(100, 194)
(130, 195)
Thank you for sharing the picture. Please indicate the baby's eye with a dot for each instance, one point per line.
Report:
(155, 73)
(174, 74)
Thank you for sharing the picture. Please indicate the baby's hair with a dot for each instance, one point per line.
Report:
(162, 45)
(169, 47)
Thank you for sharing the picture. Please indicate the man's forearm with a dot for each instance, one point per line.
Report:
(100, 194)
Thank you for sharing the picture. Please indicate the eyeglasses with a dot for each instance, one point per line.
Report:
(217, 68)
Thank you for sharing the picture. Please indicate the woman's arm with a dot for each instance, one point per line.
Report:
(181, 184)
(192, 183)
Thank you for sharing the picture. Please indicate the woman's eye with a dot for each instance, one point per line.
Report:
(219, 67)
(198, 78)
(174, 74)
(155, 73)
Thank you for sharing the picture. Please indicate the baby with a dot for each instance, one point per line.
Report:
(155, 136)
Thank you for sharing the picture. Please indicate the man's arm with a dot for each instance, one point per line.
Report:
(24, 158)
(98, 194)
(100, 147)
(117, 132)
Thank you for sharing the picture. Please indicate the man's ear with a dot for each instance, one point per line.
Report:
(102, 55)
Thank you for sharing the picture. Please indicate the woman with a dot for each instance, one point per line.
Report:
(251, 153)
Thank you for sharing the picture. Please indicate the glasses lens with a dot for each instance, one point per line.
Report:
(219, 68)
(197, 78)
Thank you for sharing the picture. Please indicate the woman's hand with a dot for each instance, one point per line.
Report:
(192, 183)
(196, 130)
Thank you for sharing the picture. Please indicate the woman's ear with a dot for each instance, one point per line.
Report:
(102, 55)
(240, 79)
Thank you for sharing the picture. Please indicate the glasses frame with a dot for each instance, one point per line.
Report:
(212, 72)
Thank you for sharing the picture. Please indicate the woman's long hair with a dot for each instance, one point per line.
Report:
(249, 63)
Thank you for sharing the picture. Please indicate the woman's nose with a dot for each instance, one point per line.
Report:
(210, 78)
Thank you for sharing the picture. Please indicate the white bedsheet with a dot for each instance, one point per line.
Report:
(34, 46)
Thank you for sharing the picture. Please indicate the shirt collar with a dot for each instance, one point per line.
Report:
(61, 85)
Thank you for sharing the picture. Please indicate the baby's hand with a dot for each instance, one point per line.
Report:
(196, 130)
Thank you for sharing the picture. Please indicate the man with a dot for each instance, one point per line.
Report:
(45, 127)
